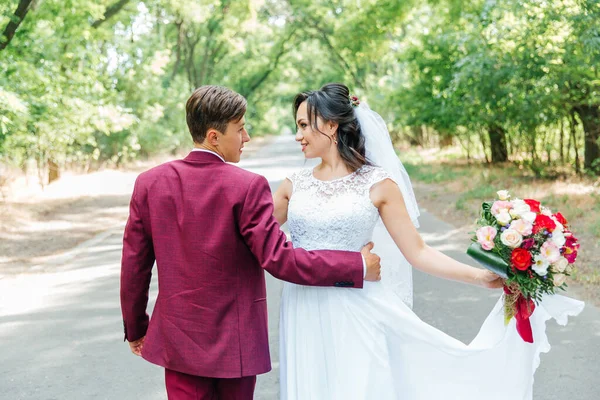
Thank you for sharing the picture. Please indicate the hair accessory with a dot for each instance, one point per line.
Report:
(354, 101)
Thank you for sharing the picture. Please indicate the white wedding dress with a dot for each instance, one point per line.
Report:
(367, 344)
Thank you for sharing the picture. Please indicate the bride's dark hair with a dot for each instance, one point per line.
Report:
(332, 104)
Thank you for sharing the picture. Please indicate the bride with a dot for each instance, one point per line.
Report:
(346, 344)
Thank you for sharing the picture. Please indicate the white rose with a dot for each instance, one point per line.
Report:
(529, 216)
(559, 279)
(558, 238)
(503, 194)
(560, 265)
(559, 226)
(540, 265)
(519, 208)
(503, 218)
(522, 226)
(511, 238)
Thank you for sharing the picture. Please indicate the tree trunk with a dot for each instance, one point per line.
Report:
(416, 136)
(498, 146)
(40, 163)
(110, 12)
(466, 146)
(53, 171)
(425, 134)
(260, 78)
(590, 119)
(549, 138)
(533, 145)
(446, 140)
(573, 140)
(324, 37)
(180, 34)
(562, 141)
(483, 146)
(190, 65)
(16, 19)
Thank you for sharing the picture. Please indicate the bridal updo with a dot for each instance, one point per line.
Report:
(332, 103)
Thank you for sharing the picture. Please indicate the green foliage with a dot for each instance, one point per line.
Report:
(87, 82)
(526, 68)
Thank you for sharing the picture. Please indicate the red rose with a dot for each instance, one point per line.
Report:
(533, 204)
(521, 259)
(543, 222)
(559, 217)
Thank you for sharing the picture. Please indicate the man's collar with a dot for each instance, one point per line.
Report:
(209, 151)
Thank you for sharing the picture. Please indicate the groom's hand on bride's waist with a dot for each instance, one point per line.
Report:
(372, 261)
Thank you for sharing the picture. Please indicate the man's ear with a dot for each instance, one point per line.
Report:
(212, 137)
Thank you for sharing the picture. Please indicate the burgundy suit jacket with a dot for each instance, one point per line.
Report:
(210, 227)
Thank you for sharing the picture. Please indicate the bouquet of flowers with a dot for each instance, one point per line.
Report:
(529, 246)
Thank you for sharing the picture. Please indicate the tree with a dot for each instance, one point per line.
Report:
(16, 20)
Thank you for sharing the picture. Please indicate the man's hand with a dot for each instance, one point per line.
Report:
(137, 345)
(489, 280)
(373, 265)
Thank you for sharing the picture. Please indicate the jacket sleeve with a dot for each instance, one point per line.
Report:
(276, 254)
(136, 269)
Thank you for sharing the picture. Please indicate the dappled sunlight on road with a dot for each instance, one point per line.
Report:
(70, 320)
(69, 186)
(25, 293)
(442, 236)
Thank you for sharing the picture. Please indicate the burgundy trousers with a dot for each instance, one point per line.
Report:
(182, 386)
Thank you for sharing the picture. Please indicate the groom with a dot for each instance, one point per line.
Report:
(209, 226)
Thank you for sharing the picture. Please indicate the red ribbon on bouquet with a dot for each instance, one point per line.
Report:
(523, 310)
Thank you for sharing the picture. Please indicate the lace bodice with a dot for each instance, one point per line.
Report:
(334, 215)
(339, 215)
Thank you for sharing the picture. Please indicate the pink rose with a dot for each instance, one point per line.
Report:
(486, 236)
(550, 252)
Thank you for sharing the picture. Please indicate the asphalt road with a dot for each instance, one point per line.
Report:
(61, 332)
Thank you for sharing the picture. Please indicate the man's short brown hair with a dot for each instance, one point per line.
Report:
(213, 107)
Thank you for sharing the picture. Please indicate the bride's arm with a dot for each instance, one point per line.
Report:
(281, 198)
(386, 196)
